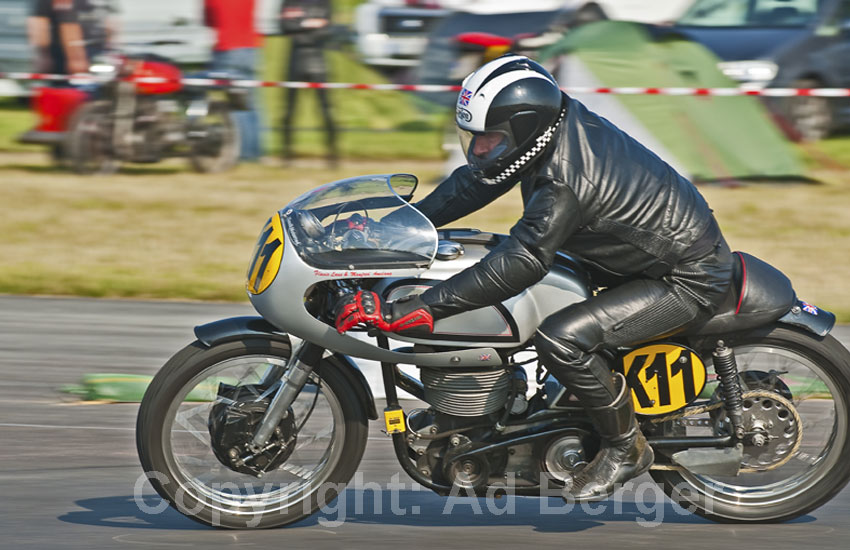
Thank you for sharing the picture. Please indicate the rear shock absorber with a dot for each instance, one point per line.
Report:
(727, 370)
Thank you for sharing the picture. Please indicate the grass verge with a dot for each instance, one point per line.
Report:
(164, 232)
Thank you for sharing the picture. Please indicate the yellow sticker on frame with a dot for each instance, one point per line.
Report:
(663, 377)
(394, 420)
(267, 256)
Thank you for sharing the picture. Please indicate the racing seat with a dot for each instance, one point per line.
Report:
(759, 295)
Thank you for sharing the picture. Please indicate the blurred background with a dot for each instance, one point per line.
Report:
(100, 193)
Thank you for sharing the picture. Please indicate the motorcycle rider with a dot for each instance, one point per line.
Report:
(590, 189)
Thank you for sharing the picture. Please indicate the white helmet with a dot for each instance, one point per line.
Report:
(506, 114)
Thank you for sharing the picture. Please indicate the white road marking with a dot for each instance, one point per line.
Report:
(49, 427)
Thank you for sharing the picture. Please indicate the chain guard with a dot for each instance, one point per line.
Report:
(232, 422)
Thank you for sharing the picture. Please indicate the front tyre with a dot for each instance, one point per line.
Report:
(183, 437)
(814, 375)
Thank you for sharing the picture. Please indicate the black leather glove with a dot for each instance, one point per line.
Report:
(411, 316)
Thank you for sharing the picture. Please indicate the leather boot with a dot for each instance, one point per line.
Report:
(624, 452)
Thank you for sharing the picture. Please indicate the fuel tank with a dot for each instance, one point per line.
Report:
(508, 324)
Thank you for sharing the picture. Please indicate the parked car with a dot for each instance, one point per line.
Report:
(640, 11)
(394, 33)
(780, 44)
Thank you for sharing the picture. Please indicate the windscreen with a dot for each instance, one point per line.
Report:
(361, 223)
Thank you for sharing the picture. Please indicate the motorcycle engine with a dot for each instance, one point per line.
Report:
(467, 393)
(465, 405)
(465, 408)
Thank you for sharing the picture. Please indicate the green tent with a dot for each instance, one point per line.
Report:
(705, 137)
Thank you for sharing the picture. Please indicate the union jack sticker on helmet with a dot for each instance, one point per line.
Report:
(464, 97)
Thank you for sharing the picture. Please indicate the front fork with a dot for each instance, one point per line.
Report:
(304, 359)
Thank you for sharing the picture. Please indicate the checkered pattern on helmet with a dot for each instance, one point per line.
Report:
(542, 141)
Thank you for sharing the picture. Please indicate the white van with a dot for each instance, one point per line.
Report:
(393, 33)
(170, 28)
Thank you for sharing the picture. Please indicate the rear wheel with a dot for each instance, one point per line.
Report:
(204, 406)
(807, 467)
(213, 140)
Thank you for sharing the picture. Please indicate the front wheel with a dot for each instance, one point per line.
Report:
(205, 404)
(797, 470)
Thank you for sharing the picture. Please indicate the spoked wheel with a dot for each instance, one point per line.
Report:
(199, 415)
(88, 145)
(213, 140)
(801, 458)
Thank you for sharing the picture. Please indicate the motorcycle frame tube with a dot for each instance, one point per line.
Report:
(684, 443)
(388, 372)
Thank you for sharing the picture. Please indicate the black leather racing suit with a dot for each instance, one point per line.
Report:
(600, 195)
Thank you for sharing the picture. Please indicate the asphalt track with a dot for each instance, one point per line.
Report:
(69, 474)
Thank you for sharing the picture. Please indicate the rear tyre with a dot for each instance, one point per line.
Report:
(213, 140)
(817, 375)
(183, 441)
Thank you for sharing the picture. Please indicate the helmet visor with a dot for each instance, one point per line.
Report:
(484, 149)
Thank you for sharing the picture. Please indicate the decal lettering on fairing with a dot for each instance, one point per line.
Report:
(319, 273)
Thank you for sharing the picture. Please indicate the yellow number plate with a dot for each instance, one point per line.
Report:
(267, 255)
(663, 377)
(394, 419)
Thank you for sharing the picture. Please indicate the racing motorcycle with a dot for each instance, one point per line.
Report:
(138, 109)
(262, 417)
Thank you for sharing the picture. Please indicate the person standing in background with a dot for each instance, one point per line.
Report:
(307, 22)
(235, 53)
(67, 34)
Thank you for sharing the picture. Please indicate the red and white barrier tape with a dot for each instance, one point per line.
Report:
(239, 83)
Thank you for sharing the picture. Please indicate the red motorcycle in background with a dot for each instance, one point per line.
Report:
(137, 109)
